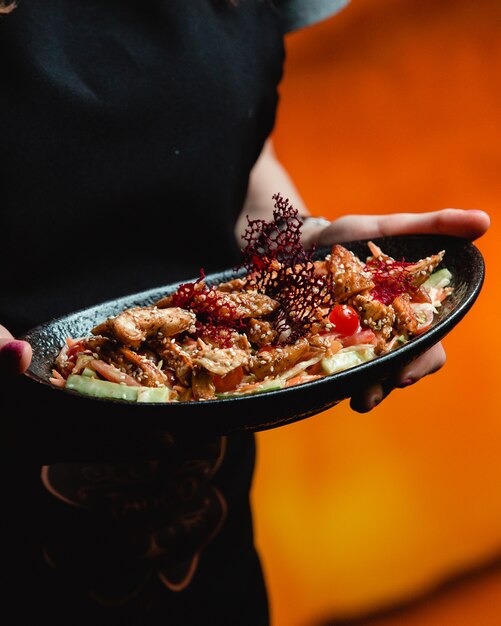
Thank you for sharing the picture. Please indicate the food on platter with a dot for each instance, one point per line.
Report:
(289, 316)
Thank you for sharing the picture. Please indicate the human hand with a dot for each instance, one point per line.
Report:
(469, 224)
(15, 355)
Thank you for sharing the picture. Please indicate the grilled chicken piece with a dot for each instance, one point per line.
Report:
(150, 375)
(228, 301)
(347, 273)
(261, 332)
(238, 305)
(99, 343)
(421, 270)
(418, 272)
(421, 295)
(327, 343)
(274, 361)
(167, 301)
(406, 320)
(219, 361)
(201, 385)
(376, 315)
(237, 284)
(175, 358)
(138, 324)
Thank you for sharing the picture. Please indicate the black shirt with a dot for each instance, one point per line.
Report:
(128, 129)
(128, 133)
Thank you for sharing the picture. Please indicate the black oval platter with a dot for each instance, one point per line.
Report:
(265, 410)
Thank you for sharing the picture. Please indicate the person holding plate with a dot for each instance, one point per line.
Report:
(135, 143)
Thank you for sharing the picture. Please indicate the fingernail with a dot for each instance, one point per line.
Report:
(406, 382)
(10, 356)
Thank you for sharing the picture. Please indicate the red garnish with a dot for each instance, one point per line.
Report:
(391, 279)
(281, 268)
(278, 239)
(186, 292)
(301, 294)
(276, 265)
(216, 317)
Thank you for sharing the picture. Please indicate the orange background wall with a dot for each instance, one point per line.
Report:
(394, 105)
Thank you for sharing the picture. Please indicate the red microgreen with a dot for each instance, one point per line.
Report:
(216, 317)
(391, 279)
(186, 292)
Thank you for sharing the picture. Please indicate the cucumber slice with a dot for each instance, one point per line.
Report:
(345, 359)
(91, 386)
(153, 394)
(438, 279)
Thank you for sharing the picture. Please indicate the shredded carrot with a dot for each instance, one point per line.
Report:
(302, 378)
(58, 382)
(113, 374)
(57, 375)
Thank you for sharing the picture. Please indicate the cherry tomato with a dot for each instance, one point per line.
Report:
(344, 318)
(229, 381)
